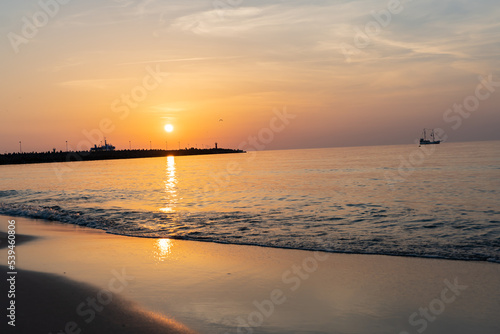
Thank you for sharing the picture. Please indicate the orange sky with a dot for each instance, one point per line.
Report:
(241, 64)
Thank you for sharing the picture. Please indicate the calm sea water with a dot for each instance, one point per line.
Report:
(433, 201)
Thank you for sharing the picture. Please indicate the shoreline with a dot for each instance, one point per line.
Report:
(60, 156)
(428, 257)
(418, 256)
(221, 288)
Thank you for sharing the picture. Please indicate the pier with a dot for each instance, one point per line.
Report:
(60, 156)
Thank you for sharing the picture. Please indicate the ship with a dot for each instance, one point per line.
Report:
(428, 137)
(105, 147)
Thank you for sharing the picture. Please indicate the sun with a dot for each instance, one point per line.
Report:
(169, 127)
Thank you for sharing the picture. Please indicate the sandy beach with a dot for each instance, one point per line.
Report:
(47, 303)
(142, 285)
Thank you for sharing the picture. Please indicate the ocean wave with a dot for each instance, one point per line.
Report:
(249, 229)
(7, 193)
(52, 213)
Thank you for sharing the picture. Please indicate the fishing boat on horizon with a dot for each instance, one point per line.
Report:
(429, 140)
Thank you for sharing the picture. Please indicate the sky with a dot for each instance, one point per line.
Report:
(251, 74)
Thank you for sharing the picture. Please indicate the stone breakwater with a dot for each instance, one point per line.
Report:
(59, 156)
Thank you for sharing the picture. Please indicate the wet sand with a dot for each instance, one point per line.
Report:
(47, 303)
(217, 288)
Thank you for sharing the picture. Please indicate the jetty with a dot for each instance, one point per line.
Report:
(69, 156)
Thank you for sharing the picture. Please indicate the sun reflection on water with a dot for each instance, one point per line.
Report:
(162, 249)
(170, 186)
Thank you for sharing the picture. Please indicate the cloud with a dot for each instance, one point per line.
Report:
(176, 60)
(165, 108)
(446, 32)
(102, 84)
(239, 20)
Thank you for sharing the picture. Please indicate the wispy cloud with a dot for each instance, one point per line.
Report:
(176, 60)
(234, 21)
(166, 108)
(95, 83)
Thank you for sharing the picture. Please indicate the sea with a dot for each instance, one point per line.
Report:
(440, 201)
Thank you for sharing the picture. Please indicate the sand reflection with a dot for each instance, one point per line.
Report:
(162, 249)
